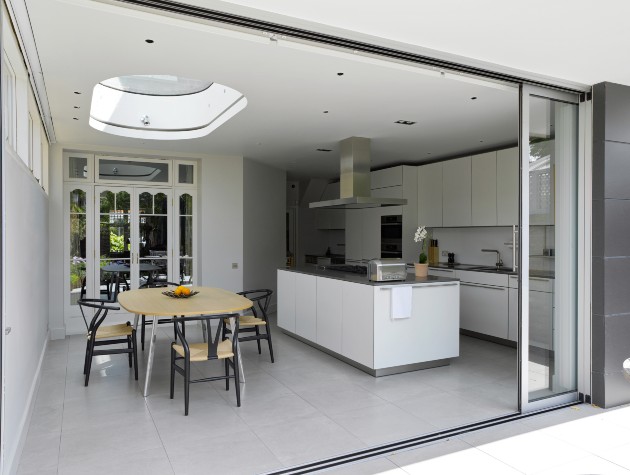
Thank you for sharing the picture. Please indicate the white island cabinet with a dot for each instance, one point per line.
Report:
(349, 317)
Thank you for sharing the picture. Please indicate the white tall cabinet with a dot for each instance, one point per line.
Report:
(484, 189)
(507, 187)
(430, 195)
(456, 192)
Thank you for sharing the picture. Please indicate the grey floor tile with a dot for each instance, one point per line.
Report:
(380, 466)
(272, 412)
(619, 455)
(40, 454)
(587, 465)
(307, 439)
(382, 424)
(339, 397)
(141, 462)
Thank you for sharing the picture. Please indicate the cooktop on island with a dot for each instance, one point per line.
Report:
(348, 268)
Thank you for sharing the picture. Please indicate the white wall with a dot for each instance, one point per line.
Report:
(264, 225)
(25, 258)
(467, 243)
(221, 224)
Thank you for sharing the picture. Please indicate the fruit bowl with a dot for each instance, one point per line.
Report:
(172, 294)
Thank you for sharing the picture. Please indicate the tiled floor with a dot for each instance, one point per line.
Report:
(304, 407)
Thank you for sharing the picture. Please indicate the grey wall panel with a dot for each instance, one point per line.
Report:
(616, 285)
(610, 389)
(617, 113)
(616, 170)
(610, 334)
(616, 226)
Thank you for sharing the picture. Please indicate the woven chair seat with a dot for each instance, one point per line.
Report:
(199, 351)
(113, 331)
(247, 321)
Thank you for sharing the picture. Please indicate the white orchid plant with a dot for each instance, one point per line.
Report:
(421, 237)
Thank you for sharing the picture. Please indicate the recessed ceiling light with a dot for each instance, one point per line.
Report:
(148, 40)
(473, 98)
(481, 141)
(324, 150)
(77, 107)
(75, 118)
(77, 92)
(428, 153)
(339, 74)
(325, 112)
(404, 122)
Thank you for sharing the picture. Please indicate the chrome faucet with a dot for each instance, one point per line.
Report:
(499, 260)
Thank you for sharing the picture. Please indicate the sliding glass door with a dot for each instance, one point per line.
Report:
(548, 282)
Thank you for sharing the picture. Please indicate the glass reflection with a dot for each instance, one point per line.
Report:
(186, 271)
(186, 236)
(185, 204)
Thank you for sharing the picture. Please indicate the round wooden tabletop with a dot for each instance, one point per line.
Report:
(209, 300)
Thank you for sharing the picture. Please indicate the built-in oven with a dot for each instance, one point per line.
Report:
(391, 236)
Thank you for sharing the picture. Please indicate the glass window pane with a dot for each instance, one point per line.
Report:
(77, 235)
(115, 236)
(186, 236)
(114, 273)
(553, 249)
(186, 272)
(161, 204)
(154, 268)
(77, 167)
(123, 202)
(146, 203)
(77, 281)
(185, 204)
(77, 201)
(186, 174)
(153, 236)
(108, 201)
(125, 170)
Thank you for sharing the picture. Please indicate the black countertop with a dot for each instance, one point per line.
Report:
(493, 270)
(363, 279)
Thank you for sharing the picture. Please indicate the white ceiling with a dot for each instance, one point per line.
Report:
(288, 87)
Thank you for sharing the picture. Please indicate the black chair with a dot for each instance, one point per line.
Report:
(258, 318)
(218, 347)
(152, 285)
(101, 335)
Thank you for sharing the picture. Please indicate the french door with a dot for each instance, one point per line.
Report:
(548, 287)
(134, 237)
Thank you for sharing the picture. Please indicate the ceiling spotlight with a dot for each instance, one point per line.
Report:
(145, 120)
(473, 98)
(148, 40)
(428, 153)
(339, 74)
(77, 107)
(77, 92)
(481, 141)
(324, 150)
(404, 122)
(325, 112)
(75, 118)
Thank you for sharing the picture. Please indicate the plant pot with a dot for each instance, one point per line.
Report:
(422, 270)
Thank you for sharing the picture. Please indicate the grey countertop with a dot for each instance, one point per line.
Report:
(362, 279)
(492, 270)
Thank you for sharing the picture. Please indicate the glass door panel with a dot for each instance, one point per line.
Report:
(114, 245)
(549, 294)
(153, 238)
(186, 240)
(78, 243)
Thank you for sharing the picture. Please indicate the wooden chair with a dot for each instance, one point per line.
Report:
(251, 323)
(218, 347)
(99, 335)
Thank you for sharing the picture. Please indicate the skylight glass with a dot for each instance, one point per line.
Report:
(157, 85)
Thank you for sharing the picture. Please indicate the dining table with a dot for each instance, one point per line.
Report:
(154, 304)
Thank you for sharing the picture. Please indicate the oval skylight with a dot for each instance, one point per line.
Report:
(162, 107)
(157, 85)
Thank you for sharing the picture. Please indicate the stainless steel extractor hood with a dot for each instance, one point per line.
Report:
(354, 179)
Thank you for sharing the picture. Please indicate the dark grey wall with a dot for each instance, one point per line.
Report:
(611, 243)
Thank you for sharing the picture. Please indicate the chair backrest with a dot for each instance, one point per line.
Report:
(260, 297)
(213, 340)
(101, 306)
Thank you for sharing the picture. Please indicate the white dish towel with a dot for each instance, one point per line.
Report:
(401, 302)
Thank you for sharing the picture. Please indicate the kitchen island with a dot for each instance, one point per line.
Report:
(350, 317)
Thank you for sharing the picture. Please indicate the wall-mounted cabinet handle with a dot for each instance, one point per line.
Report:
(483, 286)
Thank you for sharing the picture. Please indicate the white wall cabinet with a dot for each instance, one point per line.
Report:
(329, 313)
(456, 192)
(430, 195)
(507, 187)
(484, 189)
(306, 306)
(386, 178)
(286, 300)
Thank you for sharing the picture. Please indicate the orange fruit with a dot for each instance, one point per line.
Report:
(182, 291)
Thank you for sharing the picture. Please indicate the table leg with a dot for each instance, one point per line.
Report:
(238, 351)
(204, 331)
(147, 379)
(135, 321)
